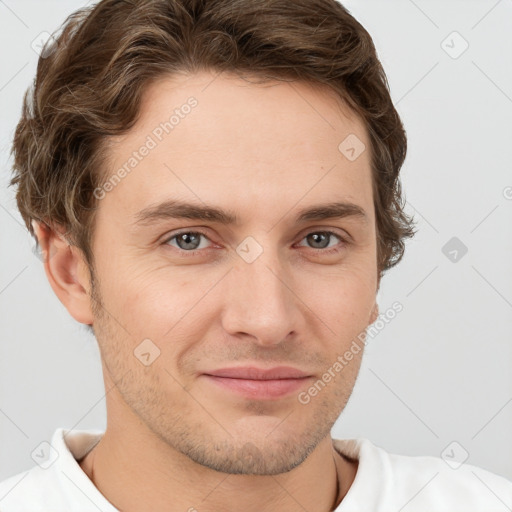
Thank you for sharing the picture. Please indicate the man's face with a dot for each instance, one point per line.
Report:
(266, 291)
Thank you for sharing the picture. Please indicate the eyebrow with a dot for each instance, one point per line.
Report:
(175, 209)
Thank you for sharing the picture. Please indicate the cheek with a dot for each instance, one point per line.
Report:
(344, 296)
(148, 301)
(162, 304)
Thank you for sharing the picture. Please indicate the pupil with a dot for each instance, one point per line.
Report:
(315, 237)
(185, 237)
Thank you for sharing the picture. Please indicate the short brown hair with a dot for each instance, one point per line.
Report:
(89, 86)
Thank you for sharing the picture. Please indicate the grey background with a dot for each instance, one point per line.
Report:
(437, 373)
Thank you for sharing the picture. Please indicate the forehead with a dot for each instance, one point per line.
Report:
(217, 137)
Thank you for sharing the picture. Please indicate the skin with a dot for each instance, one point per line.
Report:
(174, 440)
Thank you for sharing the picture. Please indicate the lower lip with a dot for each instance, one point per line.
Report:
(260, 389)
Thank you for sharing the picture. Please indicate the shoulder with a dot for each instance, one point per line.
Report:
(424, 483)
(29, 490)
(57, 483)
(433, 481)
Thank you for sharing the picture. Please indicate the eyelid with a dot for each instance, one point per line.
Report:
(170, 236)
(340, 233)
(344, 238)
(344, 241)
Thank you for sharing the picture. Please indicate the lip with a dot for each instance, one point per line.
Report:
(257, 383)
(254, 373)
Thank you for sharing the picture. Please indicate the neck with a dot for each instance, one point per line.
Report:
(319, 483)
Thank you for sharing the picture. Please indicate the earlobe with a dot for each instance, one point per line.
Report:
(374, 314)
(65, 269)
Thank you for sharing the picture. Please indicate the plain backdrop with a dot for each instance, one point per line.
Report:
(437, 379)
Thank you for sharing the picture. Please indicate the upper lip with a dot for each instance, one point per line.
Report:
(253, 373)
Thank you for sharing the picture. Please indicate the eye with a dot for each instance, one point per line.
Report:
(320, 240)
(188, 241)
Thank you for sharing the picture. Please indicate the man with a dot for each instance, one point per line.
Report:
(214, 185)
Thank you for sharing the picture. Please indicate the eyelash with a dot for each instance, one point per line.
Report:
(195, 252)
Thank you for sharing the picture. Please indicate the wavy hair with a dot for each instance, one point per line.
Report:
(91, 77)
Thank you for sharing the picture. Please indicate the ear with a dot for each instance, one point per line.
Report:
(374, 314)
(66, 271)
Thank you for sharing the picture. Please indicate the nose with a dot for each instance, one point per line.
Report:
(259, 301)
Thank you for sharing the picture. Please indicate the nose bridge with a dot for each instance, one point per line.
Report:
(257, 301)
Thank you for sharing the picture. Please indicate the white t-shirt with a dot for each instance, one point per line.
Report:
(384, 482)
